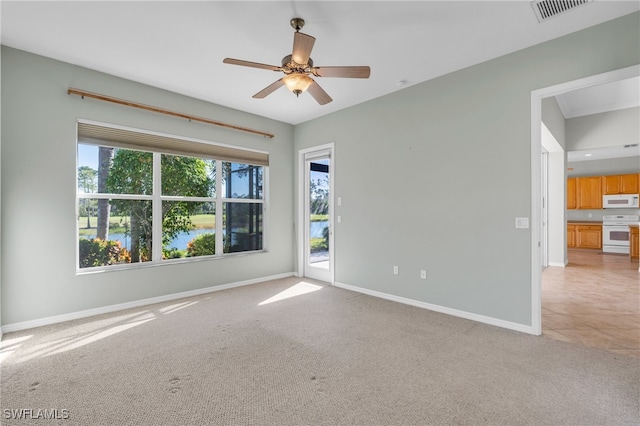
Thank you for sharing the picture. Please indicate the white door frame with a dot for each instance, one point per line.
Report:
(301, 228)
(536, 146)
(544, 180)
(556, 247)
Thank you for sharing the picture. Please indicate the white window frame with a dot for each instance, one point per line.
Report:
(157, 198)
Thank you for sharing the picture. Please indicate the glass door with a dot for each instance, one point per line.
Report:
(317, 214)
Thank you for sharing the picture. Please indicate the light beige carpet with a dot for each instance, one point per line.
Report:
(325, 357)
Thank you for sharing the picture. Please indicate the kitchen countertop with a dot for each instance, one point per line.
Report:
(584, 222)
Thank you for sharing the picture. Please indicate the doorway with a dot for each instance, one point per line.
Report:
(316, 247)
(536, 169)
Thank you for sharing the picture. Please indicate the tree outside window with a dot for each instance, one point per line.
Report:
(118, 200)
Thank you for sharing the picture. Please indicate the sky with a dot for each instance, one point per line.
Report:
(88, 156)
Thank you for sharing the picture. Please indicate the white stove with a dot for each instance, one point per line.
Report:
(615, 232)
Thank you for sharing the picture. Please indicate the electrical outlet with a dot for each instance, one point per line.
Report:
(395, 270)
(423, 274)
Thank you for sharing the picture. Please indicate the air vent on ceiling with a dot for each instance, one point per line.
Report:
(546, 9)
(633, 145)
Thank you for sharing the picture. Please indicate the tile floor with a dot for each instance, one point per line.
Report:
(594, 300)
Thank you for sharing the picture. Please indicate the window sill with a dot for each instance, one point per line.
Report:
(180, 261)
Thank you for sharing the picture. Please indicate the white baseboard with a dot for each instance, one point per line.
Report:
(25, 325)
(561, 265)
(442, 309)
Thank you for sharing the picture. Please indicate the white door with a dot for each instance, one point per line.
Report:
(318, 215)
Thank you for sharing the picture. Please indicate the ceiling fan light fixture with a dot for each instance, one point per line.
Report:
(297, 83)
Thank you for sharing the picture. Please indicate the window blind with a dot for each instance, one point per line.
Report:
(123, 138)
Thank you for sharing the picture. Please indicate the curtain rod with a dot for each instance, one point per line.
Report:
(83, 94)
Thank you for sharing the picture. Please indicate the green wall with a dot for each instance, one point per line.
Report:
(39, 235)
(433, 176)
(615, 128)
(554, 120)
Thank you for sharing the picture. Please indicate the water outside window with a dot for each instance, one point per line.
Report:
(319, 213)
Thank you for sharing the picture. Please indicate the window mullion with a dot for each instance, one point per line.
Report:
(156, 248)
(265, 213)
(192, 199)
(219, 210)
(107, 196)
(245, 200)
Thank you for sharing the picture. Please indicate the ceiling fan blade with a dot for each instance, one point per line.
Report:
(302, 45)
(319, 94)
(251, 64)
(269, 89)
(344, 72)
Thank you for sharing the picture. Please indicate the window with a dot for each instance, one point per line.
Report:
(138, 204)
(242, 187)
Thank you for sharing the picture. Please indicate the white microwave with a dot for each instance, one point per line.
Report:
(620, 201)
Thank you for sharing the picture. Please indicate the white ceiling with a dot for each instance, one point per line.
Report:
(600, 98)
(179, 46)
(603, 153)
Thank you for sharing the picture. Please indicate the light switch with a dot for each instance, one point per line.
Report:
(522, 222)
(339, 201)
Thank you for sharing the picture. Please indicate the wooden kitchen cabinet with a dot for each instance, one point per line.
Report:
(620, 184)
(571, 235)
(589, 192)
(634, 242)
(586, 192)
(571, 194)
(588, 236)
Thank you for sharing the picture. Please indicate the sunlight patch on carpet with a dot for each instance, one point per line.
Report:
(296, 290)
(10, 342)
(80, 339)
(8, 346)
(173, 308)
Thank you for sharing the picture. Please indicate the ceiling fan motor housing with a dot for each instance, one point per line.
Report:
(290, 66)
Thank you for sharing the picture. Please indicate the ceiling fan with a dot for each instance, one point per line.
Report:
(298, 67)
